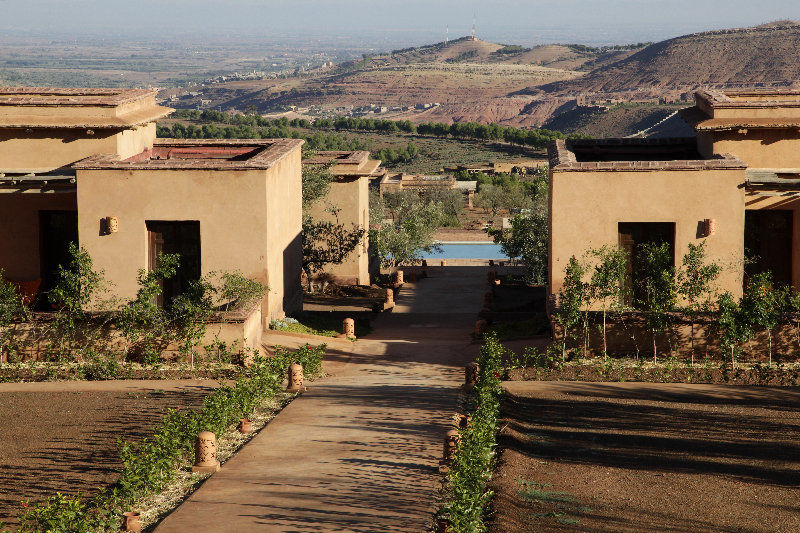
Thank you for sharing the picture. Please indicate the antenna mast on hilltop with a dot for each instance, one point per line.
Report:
(447, 35)
(474, 20)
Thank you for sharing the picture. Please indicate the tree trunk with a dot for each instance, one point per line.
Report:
(769, 336)
(605, 348)
(655, 353)
(691, 332)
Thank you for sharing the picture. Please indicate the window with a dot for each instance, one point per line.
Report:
(182, 238)
(632, 235)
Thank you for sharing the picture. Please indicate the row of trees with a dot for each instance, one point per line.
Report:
(146, 327)
(535, 137)
(665, 294)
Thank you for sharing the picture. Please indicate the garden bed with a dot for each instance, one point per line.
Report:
(647, 457)
(62, 437)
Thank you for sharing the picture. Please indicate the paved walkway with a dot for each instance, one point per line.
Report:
(359, 451)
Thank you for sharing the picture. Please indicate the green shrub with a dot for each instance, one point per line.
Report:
(468, 497)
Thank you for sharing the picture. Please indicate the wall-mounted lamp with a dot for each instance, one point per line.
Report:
(709, 227)
(110, 225)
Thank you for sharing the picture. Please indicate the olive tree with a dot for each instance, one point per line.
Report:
(607, 281)
(695, 284)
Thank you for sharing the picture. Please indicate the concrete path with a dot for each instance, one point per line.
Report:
(359, 451)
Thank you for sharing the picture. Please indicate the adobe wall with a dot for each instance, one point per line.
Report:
(42, 150)
(628, 337)
(587, 206)
(759, 148)
(19, 238)
(351, 197)
(231, 207)
(284, 255)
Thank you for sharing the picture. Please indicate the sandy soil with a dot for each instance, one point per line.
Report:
(62, 437)
(648, 457)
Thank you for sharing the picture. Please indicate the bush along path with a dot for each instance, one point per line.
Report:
(466, 494)
(151, 465)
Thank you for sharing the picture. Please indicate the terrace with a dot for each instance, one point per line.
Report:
(177, 154)
(635, 155)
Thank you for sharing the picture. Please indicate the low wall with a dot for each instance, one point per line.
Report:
(627, 335)
(240, 332)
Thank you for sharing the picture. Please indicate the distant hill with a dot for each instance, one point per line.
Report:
(766, 54)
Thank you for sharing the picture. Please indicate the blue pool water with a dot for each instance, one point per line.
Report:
(467, 250)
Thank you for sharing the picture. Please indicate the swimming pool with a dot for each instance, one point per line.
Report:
(467, 250)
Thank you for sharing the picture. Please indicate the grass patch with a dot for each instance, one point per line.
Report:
(324, 325)
(538, 325)
(537, 492)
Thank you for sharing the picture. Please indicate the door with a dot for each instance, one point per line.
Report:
(632, 235)
(768, 243)
(175, 237)
(57, 230)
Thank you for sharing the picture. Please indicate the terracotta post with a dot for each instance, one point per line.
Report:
(398, 277)
(480, 327)
(424, 262)
(295, 378)
(471, 371)
(130, 522)
(444, 263)
(451, 440)
(349, 328)
(245, 425)
(389, 300)
(205, 453)
(491, 276)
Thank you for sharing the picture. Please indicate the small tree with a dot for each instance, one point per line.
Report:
(654, 287)
(76, 286)
(12, 307)
(732, 329)
(607, 280)
(527, 240)
(411, 233)
(327, 243)
(570, 300)
(762, 306)
(695, 284)
(145, 324)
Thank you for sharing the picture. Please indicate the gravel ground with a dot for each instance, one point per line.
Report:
(62, 436)
(648, 457)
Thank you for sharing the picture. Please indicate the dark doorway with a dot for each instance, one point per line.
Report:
(632, 235)
(768, 243)
(57, 230)
(182, 238)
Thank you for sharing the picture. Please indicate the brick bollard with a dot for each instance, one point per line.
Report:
(398, 277)
(480, 327)
(349, 328)
(130, 522)
(491, 262)
(471, 371)
(245, 425)
(424, 262)
(487, 299)
(451, 441)
(389, 298)
(491, 276)
(205, 453)
(444, 263)
(295, 378)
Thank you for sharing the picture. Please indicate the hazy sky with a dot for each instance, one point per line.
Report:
(393, 22)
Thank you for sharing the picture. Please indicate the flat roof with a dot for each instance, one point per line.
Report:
(197, 154)
(634, 155)
(51, 107)
(748, 98)
(346, 163)
(720, 110)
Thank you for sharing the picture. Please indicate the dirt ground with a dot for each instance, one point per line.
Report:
(62, 437)
(584, 456)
